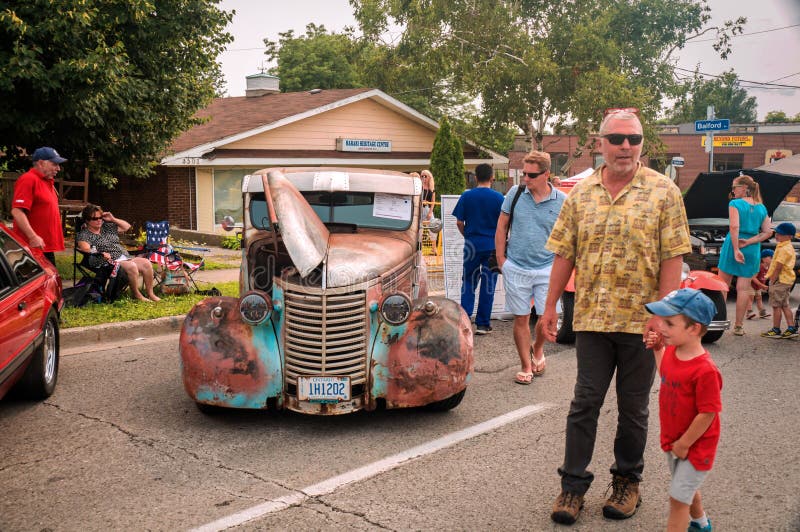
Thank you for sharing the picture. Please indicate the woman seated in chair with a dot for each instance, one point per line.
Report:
(100, 234)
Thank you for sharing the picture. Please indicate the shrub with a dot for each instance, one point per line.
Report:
(232, 242)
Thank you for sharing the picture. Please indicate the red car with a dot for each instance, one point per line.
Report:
(30, 303)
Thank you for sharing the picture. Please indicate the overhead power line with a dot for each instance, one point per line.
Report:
(747, 34)
(756, 83)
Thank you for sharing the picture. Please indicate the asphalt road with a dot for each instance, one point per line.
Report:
(121, 446)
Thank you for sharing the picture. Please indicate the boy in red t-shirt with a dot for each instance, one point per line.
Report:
(689, 401)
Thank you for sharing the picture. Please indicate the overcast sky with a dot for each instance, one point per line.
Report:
(765, 54)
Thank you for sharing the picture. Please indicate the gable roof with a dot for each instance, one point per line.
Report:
(235, 118)
(229, 116)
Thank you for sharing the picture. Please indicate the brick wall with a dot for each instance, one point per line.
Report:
(168, 194)
(182, 207)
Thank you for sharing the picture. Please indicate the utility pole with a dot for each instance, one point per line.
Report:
(710, 139)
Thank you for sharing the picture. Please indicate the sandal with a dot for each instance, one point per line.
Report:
(539, 366)
(523, 377)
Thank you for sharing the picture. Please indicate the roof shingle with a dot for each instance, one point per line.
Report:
(229, 116)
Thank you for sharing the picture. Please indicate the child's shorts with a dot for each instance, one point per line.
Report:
(779, 294)
(686, 480)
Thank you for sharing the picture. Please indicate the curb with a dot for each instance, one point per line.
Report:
(75, 337)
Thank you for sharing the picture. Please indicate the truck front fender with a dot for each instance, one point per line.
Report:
(427, 359)
(227, 362)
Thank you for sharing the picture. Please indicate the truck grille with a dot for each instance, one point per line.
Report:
(326, 334)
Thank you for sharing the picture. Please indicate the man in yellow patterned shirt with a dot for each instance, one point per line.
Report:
(624, 230)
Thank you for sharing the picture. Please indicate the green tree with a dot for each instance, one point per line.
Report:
(774, 117)
(319, 59)
(724, 93)
(535, 63)
(316, 60)
(109, 83)
(447, 160)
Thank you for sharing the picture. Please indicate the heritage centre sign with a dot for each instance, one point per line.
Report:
(364, 145)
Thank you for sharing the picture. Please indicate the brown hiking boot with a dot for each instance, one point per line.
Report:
(567, 508)
(624, 500)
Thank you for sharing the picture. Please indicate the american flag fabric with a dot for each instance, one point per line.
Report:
(162, 253)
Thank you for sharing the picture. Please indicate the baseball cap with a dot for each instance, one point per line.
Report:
(767, 253)
(687, 301)
(47, 154)
(786, 228)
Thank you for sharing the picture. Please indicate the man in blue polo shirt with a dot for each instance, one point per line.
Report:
(476, 213)
(523, 259)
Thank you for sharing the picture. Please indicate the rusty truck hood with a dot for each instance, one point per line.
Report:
(303, 233)
(350, 258)
(356, 258)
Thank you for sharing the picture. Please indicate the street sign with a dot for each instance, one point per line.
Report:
(720, 124)
(678, 162)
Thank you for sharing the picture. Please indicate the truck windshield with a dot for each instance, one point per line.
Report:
(363, 209)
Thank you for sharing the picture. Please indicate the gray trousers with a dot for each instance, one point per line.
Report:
(599, 354)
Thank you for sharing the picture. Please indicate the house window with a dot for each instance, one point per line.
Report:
(228, 193)
(728, 161)
(558, 162)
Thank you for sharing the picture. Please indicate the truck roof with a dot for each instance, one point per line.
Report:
(334, 179)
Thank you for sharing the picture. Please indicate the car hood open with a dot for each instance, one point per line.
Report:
(708, 197)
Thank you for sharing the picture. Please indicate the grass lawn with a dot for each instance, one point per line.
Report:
(126, 309)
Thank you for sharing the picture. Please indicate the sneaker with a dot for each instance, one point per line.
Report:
(567, 508)
(694, 527)
(738, 330)
(763, 313)
(773, 333)
(751, 315)
(624, 500)
(790, 332)
(483, 329)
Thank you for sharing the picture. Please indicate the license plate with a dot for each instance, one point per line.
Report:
(323, 389)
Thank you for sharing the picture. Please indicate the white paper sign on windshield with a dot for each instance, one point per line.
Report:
(392, 206)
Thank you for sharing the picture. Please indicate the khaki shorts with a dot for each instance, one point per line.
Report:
(779, 295)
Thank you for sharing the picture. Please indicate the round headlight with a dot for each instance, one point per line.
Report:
(395, 309)
(255, 307)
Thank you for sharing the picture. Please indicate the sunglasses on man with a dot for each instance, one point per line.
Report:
(533, 175)
(618, 138)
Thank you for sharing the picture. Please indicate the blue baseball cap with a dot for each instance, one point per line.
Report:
(767, 253)
(786, 228)
(691, 303)
(47, 154)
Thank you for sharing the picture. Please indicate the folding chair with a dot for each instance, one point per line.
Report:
(174, 274)
(100, 280)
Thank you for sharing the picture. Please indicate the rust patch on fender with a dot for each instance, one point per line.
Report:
(219, 353)
(434, 358)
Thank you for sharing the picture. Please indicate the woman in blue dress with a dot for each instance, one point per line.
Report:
(740, 255)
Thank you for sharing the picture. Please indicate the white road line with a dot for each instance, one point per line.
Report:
(370, 470)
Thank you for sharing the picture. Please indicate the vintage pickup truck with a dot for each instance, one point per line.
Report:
(333, 315)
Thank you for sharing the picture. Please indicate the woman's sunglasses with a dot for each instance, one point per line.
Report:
(618, 138)
(95, 218)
